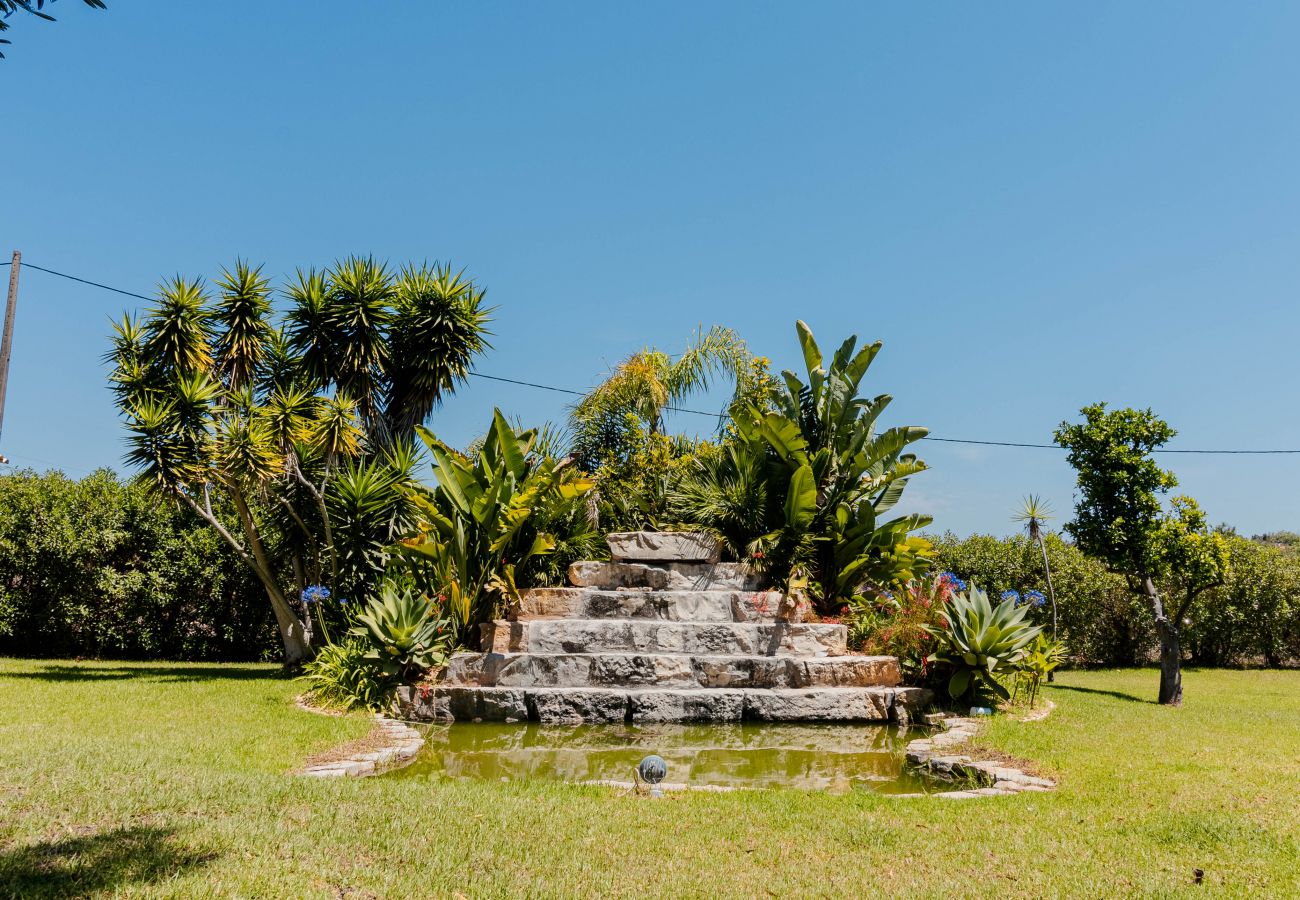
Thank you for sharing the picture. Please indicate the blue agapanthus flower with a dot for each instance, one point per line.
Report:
(1013, 596)
(316, 593)
(956, 583)
(1035, 598)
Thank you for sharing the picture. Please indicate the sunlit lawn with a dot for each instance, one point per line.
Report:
(148, 779)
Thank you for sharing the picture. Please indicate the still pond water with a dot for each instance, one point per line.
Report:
(808, 757)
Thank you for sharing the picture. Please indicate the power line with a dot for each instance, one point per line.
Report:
(28, 265)
(699, 412)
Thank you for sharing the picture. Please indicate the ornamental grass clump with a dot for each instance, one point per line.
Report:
(981, 641)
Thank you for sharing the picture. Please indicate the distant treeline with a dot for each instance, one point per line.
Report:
(1251, 620)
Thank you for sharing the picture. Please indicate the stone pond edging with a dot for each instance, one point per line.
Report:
(398, 745)
(997, 780)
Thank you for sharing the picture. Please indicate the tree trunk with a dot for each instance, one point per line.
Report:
(297, 643)
(1171, 662)
(1171, 651)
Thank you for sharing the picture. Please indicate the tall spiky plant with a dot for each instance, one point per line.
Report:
(1033, 513)
(228, 413)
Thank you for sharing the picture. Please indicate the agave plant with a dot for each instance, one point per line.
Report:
(981, 641)
(405, 633)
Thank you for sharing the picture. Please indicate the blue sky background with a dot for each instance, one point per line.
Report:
(1035, 206)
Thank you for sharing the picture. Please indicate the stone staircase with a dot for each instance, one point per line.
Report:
(664, 633)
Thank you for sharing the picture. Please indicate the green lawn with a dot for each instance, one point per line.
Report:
(148, 779)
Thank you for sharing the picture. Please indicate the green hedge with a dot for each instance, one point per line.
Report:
(106, 568)
(1253, 619)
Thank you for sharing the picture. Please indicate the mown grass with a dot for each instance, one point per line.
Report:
(173, 780)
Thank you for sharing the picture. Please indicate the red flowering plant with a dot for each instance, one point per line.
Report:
(896, 622)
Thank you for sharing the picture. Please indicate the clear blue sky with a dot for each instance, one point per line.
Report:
(1035, 206)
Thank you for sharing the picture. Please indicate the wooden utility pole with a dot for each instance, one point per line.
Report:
(7, 343)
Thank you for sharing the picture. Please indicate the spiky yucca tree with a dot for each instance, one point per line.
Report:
(294, 442)
(1033, 513)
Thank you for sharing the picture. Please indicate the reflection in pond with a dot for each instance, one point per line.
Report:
(810, 757)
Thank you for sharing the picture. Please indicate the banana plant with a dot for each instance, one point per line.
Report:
(475, 528)
(981, 641)
(838, 476)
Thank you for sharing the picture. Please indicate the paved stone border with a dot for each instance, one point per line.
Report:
(996, 779)
(400, 745)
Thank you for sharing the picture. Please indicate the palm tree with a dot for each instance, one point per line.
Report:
(650, 382)
(1033, 513)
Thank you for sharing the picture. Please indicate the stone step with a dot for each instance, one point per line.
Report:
(665, 576)
(613, 705)
(670, 605)
(668, 670)
(642, 636)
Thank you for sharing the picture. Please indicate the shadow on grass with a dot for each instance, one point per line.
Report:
(104, 862)
(1118, 695)
(219, 672)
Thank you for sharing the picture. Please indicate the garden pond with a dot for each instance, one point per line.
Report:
(751, 755)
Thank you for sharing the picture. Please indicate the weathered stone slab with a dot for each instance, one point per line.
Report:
(687, 706)
(819, 705)
(569, 705)
(663, 546)
(675, 576)
(588, 603)
(696, 638)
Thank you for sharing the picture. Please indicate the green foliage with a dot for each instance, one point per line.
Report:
(1101, 620)
(640, 389)
(225, 407)
(1042, 657)
(405, 634)
(901, 623)
(346, 675)
(478, 525)
(1119, 520)
(100, 568)
(830, 478)
(1253, 618)
(36, 8)
(1118, 516)
(981, 641)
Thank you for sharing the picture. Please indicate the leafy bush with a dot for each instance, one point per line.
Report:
(981, 641)
(1253, 619)
(900, 623)
(1041, 658)
(99, 567)
(347, 676)
(406, 636)
(478, 525)
(1101, 622)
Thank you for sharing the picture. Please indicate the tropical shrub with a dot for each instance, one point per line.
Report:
(480, 524)
(405, 633)
(1101, 622)
(347, 676)
(981, 641)
(99, 568)
(900, 623)
(1042, 657)
(830, 478)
